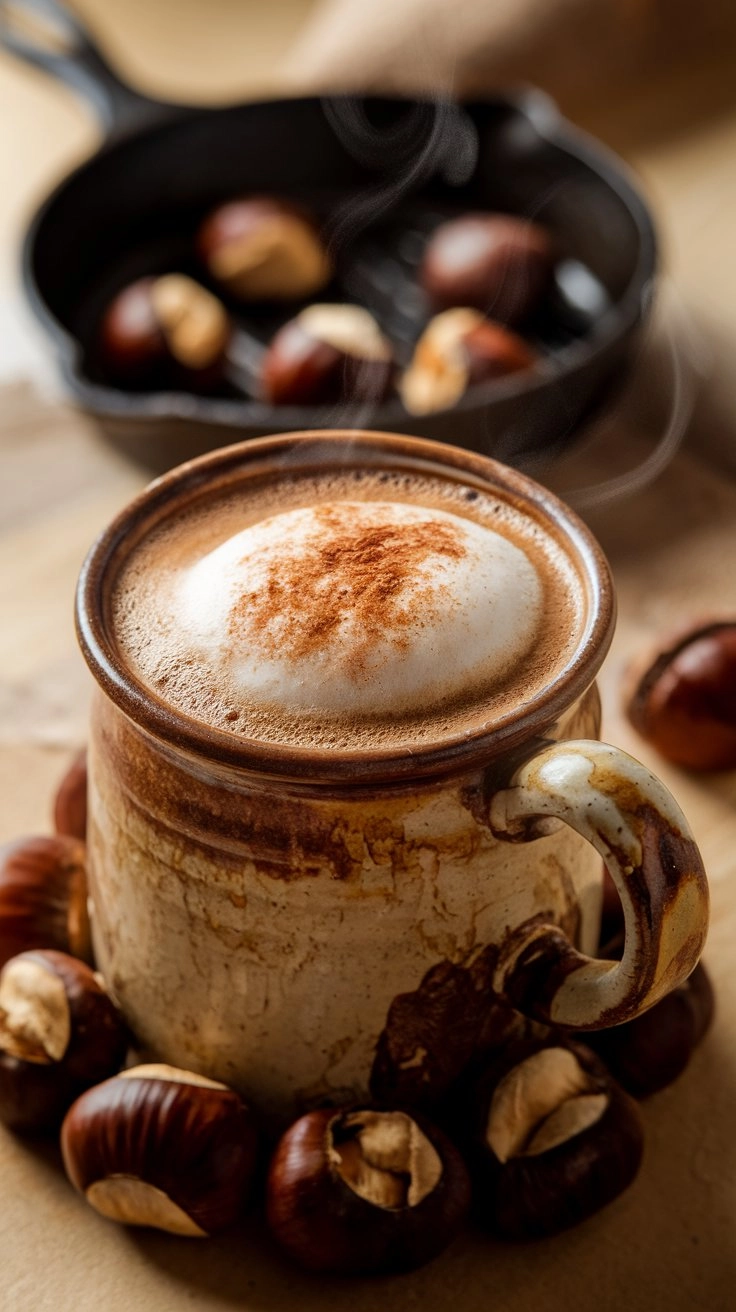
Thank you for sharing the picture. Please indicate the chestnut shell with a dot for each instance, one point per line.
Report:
(35, 1096)
(42, 880)
(685, 702)
(238, 218)
(299, 369)
(532, 1197)
(197, 1144)
(497, 263)
(648, 1053)
(133, 347)
(70, 802)
(325, 1226)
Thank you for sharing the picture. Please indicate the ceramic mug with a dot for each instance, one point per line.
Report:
(313, 925)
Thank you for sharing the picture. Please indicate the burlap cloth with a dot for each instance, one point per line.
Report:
(581, 51)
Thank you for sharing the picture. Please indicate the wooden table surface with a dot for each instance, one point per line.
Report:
(670, 1242)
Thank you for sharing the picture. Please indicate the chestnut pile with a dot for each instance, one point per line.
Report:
(543, 1133)
(481, 275)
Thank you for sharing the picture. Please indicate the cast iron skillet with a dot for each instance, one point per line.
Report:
(381, 173)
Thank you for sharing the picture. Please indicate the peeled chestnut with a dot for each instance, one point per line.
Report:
(59, 1033)
(498, 263)
(555, 1139)
(456, 349)
(162, 1147)
(365, 1191)
(263, 249)
(165, 329)
(70, 803)
(43, 897)
(684, 703)
(648, 1053)
(328, 353)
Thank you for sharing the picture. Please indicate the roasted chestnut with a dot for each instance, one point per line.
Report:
(498, 263)
(328, 353)
(70, 803)
(59, 1034)
(43, 897)
(167, 329)
(263, 249)
(684, 703)
(456, 349)
(554, 1139)
(162, 1147)
(651, 1051)
(362, 1191)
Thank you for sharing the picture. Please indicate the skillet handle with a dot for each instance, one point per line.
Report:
(46, 34)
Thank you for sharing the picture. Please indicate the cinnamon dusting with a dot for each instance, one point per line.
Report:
(371, 576)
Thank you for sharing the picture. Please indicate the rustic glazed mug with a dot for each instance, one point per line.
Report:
(313, 923)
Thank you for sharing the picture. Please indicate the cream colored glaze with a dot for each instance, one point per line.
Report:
(629, 816)
(281, 986)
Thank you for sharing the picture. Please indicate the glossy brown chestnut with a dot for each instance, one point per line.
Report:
(365, 1192)
(555, 1139)
(43, 897)
(263, 249)
(70, 803)
(684, 703)
(456, 349)
(650, 1052)
(162, 1147)
(498, 263)
(163, 330)
(610, 941)
(328, 353)
(59, 1034)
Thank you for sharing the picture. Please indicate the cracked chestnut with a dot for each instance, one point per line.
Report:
(555, 1139)
(165, 330)
(162, 1147)
(650, 1052)
(327, 354)
(263, 249)
(43, 897)
(497, 263)
(365, 1192)
(684, 703)
(456, 350)
(70, 802)
(59, 1034)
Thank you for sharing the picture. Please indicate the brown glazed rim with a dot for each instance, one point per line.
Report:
(311, 452)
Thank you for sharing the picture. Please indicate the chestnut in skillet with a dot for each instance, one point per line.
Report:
(259, 248)
(458, 348)
(328, 353)
(165, 330)
(498, 263)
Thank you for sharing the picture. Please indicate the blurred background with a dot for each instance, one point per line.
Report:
(655, 79)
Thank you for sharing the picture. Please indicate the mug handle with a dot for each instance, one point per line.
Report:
(634, 822)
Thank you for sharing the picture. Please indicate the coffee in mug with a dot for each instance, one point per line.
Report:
(354, 612)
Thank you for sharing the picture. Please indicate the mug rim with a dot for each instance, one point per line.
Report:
(301, 452)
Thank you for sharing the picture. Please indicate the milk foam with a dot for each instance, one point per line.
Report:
(281, 658)
(359, 608)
